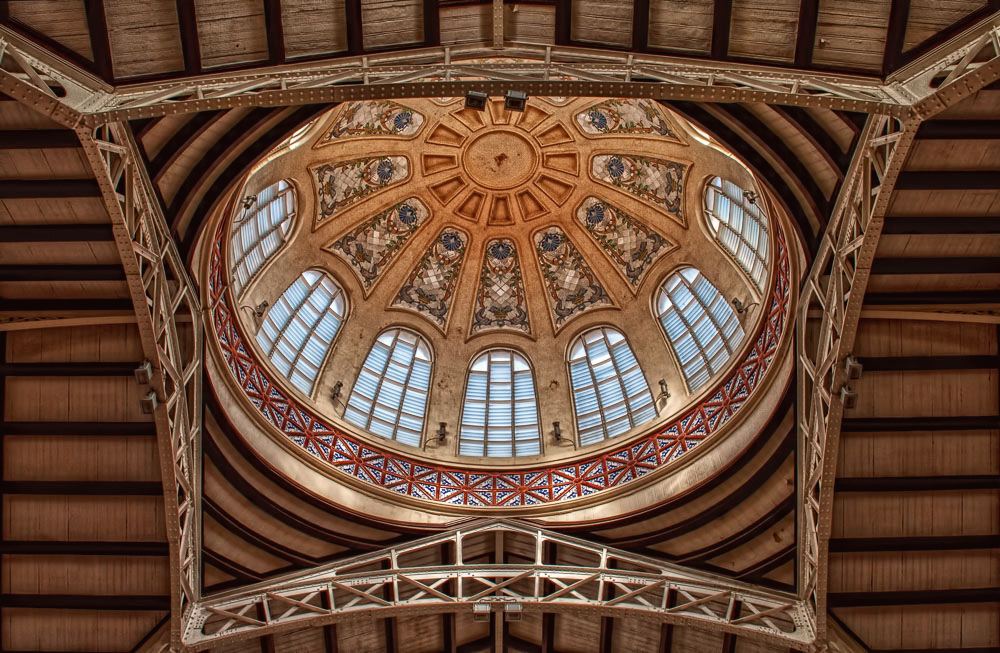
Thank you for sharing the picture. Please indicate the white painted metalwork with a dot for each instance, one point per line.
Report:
(413, 579)
(168, 316)
(536, 70)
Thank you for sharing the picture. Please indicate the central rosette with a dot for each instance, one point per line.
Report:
(500, 159)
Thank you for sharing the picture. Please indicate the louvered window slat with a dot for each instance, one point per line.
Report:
(500, 411)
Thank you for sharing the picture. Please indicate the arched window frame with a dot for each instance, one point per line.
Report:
(726, 335)
(610, 416)
(259, 234)
(747, 244)
(299, 355)
(404, 425)
(524, 437)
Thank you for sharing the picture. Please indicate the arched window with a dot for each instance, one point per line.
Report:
(739, 225)
(297, 331)
(701, 325)
(500, 412)
(390, 395)
(259, 233)
(610, 393)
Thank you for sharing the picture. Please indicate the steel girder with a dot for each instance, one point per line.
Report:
(535, 69)
(407, 580)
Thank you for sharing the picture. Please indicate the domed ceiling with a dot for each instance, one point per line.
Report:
(495, 308)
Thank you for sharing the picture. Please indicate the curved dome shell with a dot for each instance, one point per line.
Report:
(536, 306)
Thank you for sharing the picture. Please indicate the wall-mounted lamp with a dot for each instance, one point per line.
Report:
(442, 431)
(248, 203)
(849, 398)
(853, 368)
(260, 308)
(337, 387)
(143, 373)
(664, 392)
(476, 100)
(512, 611)
(750, 196)
(515, 101)
(481, 611)
(149, 402)
(742, 308)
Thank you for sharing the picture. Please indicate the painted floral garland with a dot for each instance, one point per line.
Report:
(495, 489)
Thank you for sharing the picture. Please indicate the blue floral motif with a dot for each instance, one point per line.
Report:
(615, 167)
(595, 214)
(402, 120)
(599, 120)
(451, 241)
(550, 242)
(500, 250)
(385, 170)
(407, 214)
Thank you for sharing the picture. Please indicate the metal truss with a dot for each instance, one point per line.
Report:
(535, 69)
(168, 315)
(414, 579)
(833, 294)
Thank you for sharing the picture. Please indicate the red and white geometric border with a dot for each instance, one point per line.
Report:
(454, 485)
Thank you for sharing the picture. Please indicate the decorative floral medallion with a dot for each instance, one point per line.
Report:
(631, 245)
(500, 297)
(430, 286)
(343, 183)
(657, 181)
(370, 248)
(571, 284)
(624, 116)
(374, 118)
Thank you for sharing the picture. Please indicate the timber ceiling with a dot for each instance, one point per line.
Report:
(914, 554)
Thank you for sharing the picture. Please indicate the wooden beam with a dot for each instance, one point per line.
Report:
(58, 233)
(79, 548)
(130, 602)
(666, 638)
(902, 424)
(928, 363)
(728, 643)
(722, 16)
(68, 369)
(239, 572)
(756, 528)
(62, 273)
(932, 297)
(48, 188)
(953, 130)
(918, 483)
(84, 488)
(355, 29)
(432, 23)
(805, 36)
(180, 141)
(187, 20)
(950, 225)
(948, 180)
(915, 597)
(259, 540)
(100, 42)
(899, 13)
(73, 429)
(564, 22)
(640, 25)
(61, 305)
(927, 543)
(928, 265)
(30, 139)
(275, 32)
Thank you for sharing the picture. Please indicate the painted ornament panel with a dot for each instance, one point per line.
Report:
(658, 181)
(370, 248)
(571, 285)
(500, 302)
(431, 285)
(345, 182)
(628, 242)
(375, 118)
(624, 116)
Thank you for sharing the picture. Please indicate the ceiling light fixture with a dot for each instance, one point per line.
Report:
(476, 100)
(515, 101)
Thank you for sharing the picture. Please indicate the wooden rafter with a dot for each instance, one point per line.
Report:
(275, 32)
(722, 15)
(100, 41)
(190, 43)
(899, 13)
